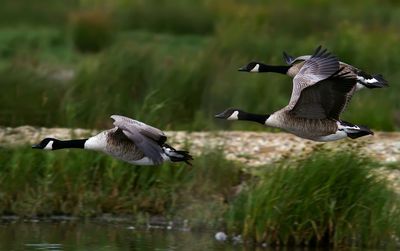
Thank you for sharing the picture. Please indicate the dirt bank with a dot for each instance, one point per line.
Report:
(252, 148)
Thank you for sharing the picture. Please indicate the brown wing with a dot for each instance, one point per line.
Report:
(321, 65)
(325, 99)
(147, 130)
(145, 137)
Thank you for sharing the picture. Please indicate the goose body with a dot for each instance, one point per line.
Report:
(130, 140)
(320, 94)
(364, 80)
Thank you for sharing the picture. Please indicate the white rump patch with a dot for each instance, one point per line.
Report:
(372, 80)
(368, 81)
(349, 129)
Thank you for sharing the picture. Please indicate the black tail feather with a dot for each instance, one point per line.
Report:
(372, 81)
(363, 131)
(381, 79)
(177, 155)
(185, 156)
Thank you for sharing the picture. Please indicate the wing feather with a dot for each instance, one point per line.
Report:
(321, 65)
(325, 99)
(147, 138)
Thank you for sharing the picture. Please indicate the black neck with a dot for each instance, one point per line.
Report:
(283, 69)
(76, 143)
(259, 118)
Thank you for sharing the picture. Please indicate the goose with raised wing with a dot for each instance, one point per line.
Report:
(320, 93)
(294, 64)
(130, 140)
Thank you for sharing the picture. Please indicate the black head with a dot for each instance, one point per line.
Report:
(236, 114)
(46, 144)
(252, 67)
(229, 114)
(261, 67)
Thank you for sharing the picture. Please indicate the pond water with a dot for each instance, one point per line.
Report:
(103, 236)
(98, 236)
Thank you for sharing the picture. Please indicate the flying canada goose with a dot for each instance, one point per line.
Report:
(319, 96)
(130, 140)
(294, 65)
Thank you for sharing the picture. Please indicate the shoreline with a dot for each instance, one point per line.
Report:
(247, 147)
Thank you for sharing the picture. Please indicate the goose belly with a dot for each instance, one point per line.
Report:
(131, 153)
(313, 129)
(126, 152)
(145, 161)
(320, 137)
(324, 134)
(331, 137)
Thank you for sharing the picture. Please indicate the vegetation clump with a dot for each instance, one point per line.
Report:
(328, 199)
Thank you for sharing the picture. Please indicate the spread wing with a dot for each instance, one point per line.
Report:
(146, 138)
(325, 99)
(320, 66)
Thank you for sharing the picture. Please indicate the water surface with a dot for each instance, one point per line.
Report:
(100, 236)
(103, 236)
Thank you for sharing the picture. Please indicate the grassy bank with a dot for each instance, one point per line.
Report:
(88, 184)
(335, 199)
(84, 61)
(326, 199)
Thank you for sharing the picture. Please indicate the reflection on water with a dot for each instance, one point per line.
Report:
(95, 236)
(99, 236)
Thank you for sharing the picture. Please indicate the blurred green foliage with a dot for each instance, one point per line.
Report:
(92, 31)
(87, 184)
(174, 63)
(176, 17)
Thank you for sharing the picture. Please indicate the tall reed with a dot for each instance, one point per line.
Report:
(327, 199)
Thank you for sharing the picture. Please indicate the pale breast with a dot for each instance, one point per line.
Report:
(294, 69)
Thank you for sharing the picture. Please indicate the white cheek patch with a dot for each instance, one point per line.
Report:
(234, 116)
(49, 145)
(256, 68)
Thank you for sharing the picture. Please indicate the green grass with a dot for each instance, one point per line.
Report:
(176, 17)
(176, 67)
(327, 199)
(38, 183)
